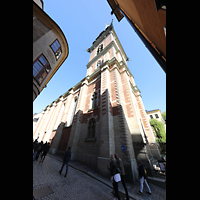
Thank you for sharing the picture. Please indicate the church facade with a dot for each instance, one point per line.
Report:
(101, 115)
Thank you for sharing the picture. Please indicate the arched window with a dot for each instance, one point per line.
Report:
(91, 128)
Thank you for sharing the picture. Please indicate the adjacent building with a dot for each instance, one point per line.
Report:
(148, 19)
(101, 115)
(156, 114)
(50, 48)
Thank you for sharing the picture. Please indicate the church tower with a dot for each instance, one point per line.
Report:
(113, 118)
(103, 114)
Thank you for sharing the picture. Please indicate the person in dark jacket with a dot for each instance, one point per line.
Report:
(120, 165)
(113, 171)
(46, 148)
(142, 178)
(66, 160)
(36, 148)
(40, 149)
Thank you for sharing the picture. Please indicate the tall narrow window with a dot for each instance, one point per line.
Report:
(91, 128)
(41, 68)
(56, 47)
(94, 100)
(165, 29)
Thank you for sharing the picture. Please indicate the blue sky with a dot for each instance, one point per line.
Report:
(81, 22)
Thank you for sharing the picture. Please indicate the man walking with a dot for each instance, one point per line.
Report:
(46, 148)
(122, 173)
(36, 147)
(142, 178)
(66, 160)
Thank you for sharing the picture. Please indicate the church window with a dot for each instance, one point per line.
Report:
(100, 48)
(91, 128)
(56, 48)
(94, 100)
(99, 63)
(41, 68)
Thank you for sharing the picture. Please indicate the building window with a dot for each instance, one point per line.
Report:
(41, 68)
(165, 30)
(99, 63)
(94, 100)
(100, 48)
(151, 116)
(156, 115)
(56, 48)
(91, 128)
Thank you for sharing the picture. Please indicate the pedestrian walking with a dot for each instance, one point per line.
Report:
(142, 175)
(46, 148)
(36, 147)
(40, 149)
(120, 165)
(115, 175)
(66, 160)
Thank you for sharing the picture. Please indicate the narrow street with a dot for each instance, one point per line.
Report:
(76, 185)
(80, 183)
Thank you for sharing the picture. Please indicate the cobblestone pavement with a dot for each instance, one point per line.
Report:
(76, 185)
(79, 185)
